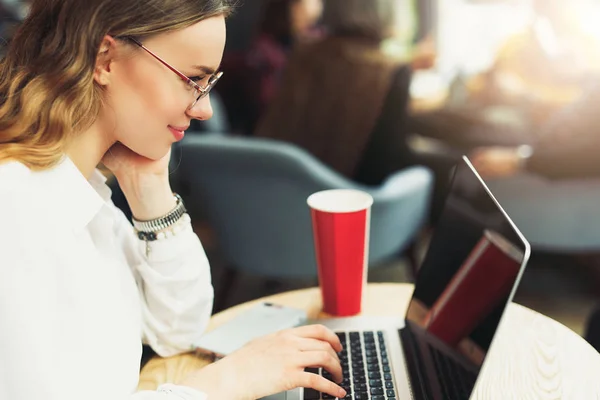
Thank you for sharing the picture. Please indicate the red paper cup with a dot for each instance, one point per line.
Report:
(341, 222)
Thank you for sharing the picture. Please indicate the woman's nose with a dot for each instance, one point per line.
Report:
(202, 110)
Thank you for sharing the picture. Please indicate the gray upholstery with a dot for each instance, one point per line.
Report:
(254, 192)
(554, 215)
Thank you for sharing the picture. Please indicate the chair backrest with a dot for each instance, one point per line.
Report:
(254, 192)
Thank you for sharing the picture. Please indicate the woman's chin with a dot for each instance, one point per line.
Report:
(155, 153)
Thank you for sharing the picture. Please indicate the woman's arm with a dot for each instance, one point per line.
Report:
(172, 274)
(174, 281)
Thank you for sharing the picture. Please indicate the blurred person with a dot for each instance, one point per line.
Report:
(537, 72)
(545, 66)
(80, 287)
(566, 147)
(343, 98)
(284, 25)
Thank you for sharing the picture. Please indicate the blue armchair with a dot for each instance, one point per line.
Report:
(254, 193)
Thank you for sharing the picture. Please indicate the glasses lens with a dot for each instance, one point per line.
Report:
(211, 83)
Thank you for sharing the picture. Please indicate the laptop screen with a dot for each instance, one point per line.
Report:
(470, 271)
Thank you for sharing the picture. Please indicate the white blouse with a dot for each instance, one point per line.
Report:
(79, 295)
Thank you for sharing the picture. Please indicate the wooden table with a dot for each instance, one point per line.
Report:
(533, 357)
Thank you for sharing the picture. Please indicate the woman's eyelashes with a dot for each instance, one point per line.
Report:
(198, 79)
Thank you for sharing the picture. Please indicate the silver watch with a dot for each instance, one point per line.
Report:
(147, 229)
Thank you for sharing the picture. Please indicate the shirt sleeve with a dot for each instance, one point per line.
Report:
(45, 353)
(174, 281)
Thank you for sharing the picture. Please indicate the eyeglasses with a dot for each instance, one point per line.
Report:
(199, 91)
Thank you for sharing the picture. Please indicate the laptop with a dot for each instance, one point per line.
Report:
(468, 276)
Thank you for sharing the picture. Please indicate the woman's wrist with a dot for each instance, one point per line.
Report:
(213, 380)
(149, 196)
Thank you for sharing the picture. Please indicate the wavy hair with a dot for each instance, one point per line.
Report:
(47, 88)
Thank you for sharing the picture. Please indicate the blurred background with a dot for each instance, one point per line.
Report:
(368, 94)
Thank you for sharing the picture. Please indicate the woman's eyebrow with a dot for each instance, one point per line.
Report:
(205, 69)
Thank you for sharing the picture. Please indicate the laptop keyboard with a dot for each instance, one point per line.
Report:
(455, 380)
(366, 368)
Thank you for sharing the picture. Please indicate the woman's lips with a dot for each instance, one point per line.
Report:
(178, 132)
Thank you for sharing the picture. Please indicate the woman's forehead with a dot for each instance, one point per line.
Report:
(201, 44)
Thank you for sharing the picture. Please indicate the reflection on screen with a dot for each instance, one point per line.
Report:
(467, 276)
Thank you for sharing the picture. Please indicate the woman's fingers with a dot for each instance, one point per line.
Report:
(321, 384)
(321, 333)
(316, 345)
(325, 360)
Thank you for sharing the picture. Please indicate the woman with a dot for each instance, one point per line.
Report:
(343, 98)
(107, 80)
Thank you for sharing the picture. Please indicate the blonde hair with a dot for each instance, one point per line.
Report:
(47, 89)
(373, 19)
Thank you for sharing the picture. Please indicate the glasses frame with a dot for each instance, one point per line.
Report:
(202, 91)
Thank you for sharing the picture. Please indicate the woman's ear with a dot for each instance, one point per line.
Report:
(106, 55)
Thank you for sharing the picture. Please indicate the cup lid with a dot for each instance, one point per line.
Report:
(340, 200)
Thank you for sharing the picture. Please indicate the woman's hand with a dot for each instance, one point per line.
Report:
(144, 182)
(273, 364)
(121, 161)
(496, 162)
